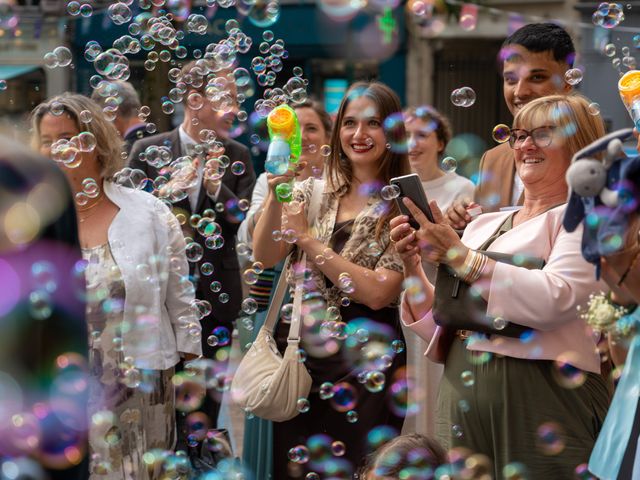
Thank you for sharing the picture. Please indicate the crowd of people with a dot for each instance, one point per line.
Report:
(165, 229)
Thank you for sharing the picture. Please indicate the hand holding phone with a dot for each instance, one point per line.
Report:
(411, 187)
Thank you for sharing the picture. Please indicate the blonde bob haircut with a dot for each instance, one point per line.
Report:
(108, 141)
(576, 124)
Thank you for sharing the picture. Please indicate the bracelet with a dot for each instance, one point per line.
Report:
(473, 266)
(478, 266)
(629, 268)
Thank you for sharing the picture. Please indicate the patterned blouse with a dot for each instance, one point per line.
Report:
(362, 248)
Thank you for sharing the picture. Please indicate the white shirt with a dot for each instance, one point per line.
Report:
(445, 189)
(518, 188)
(148, 245)
(187, 145)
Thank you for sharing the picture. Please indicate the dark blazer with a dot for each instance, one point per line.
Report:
(226, 269)
(134, 135)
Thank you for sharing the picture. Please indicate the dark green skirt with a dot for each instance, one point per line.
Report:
(524, 415)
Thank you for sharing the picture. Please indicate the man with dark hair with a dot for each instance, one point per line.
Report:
(127, 120)
(534, 61)
(220, 176)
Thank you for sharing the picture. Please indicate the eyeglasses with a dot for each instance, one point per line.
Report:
(541, 136)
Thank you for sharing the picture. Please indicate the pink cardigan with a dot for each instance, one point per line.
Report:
(544, 300)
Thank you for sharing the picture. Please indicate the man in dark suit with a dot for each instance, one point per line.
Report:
(221, 183)
(127, 119)
(534, 60)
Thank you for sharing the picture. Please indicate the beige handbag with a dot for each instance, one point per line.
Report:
(266, 383)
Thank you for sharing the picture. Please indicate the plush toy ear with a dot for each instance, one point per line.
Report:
(574, 213)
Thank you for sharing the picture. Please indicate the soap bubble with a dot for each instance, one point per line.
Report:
(303, 405)
(86, 10)
(338, 448)
(375, 381)
(264, 14)
(120, 13)
(467, 378)
(448, 164)
(608, 15)
(389, 192)
(194, 251)
(86, 142)
(501, 133)
(566, 374)
(249, 306)
(73, 8)
(573, 76)
(463, 97)
(197, 24)
(223, 335)
(299, 454)
(50, 60)
(610, 50)
(63, 55)
(345, 397)
(550, 438)
(326, 391)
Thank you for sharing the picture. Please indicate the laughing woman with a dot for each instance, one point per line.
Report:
(351, 297)
(501, 396)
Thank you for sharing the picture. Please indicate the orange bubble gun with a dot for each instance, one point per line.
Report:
(629, 88)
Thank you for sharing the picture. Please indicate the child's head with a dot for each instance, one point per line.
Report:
(413, 453)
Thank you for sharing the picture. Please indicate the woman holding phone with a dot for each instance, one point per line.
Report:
(351, 334)
(501, 396)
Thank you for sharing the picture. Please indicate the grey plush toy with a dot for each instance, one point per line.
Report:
(604, 189)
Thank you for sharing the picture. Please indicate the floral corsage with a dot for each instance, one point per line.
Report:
(604, 315)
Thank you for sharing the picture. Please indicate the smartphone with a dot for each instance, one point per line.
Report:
(411, 187)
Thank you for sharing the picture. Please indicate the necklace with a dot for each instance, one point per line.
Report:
(90, 207)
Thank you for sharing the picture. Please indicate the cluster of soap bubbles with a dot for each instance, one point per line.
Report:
(266, 65)
(608, 15)
(75, 8)
(59, 57)
(119, 13)
(67, 152)
(463, 97)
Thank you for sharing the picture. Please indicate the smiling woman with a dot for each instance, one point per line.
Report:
(139, 314)
(518, 391)
(352, 340)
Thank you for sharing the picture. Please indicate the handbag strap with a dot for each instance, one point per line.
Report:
(281, 287)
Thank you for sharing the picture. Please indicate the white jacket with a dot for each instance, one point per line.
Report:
(148, 245)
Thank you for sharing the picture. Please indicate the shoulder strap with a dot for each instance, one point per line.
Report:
(316, 200)
(281, 287)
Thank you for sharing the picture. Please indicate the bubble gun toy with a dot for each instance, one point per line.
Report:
(629, 88)
(284, 147)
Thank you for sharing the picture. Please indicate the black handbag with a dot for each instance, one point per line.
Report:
(457, 306)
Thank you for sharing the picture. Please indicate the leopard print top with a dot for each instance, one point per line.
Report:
(361, 248)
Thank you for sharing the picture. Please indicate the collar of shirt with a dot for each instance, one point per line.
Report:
(187, 143)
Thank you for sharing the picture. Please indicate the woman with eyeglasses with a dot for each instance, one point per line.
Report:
(532, 404)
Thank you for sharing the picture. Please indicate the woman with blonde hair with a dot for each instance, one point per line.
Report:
(139, 299)
(534, 402)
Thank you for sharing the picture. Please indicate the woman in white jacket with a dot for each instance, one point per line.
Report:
(140, 310)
